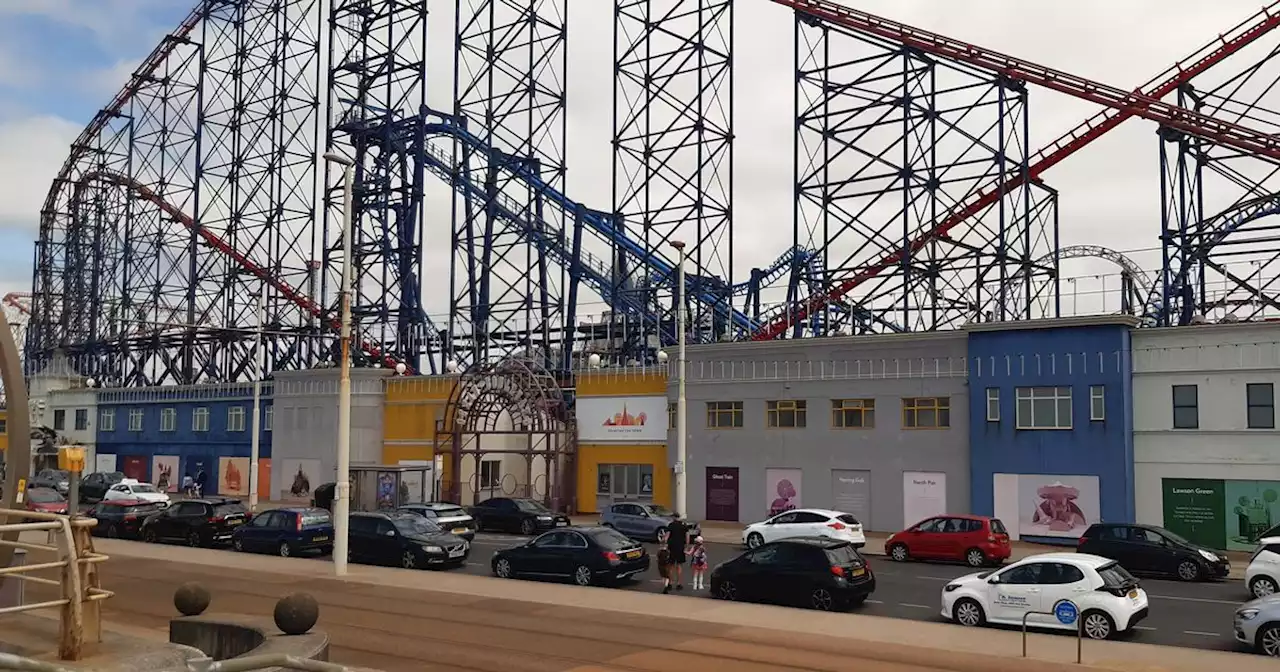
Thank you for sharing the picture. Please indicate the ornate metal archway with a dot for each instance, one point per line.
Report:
(515, 413)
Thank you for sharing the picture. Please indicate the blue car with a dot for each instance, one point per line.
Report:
(286, 532)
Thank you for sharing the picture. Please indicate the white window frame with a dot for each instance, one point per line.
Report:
(235, 418)
(169, 419)
(135, 419)
(993, 404)
(1027, 399)
(200, 419)
(107, 421)
(268, 417)
(1097, 403)
(494, 474)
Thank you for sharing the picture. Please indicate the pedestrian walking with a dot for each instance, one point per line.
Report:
(698, 562)
(677, 542)
(664, 568)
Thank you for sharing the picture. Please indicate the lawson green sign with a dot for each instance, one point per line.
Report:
(1228, 515)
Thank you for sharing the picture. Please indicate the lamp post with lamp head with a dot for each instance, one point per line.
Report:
(682, 492)
(342, 485)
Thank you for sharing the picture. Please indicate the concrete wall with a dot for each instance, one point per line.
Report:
(883, 368)
(1220, 360)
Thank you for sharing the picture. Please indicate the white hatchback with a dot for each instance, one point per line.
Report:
(130, 489)
(1263, 574)
(1107, 599)
(806, 523)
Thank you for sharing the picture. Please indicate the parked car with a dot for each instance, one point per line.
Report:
(805, 523)
(130, 489)
(1147, 549)
(1108, 599)
(404, 539)
(450, 517)
(817, 572)
(975, 540)
(1257, 624)
(94, 486)
(586, 555)
(122, 519)
(510, 514)
(1263, 574)
(322, 496)
(286, 532)
(53, 479)
(199, 522)
(642, 520)
(46, 500)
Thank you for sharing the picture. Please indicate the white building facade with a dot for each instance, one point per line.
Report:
(1206, 447)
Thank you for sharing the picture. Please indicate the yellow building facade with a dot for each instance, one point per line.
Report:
(410, 411)
(615, 469)
(4, 430)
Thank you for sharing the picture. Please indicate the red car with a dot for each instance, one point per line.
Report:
(46, 500)
(974, 540)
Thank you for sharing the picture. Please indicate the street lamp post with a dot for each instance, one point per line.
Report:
(342, 487)
(682, 492)
(255, 442)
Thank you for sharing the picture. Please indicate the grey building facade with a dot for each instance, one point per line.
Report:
(873, 425)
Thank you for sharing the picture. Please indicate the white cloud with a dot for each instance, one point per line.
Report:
(33, 151)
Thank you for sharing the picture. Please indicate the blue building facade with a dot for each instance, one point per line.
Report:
(1051, 425)
(161, 434)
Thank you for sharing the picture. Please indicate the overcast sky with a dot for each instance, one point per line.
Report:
(60, 60)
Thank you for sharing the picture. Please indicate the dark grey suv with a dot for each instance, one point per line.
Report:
(641, 520)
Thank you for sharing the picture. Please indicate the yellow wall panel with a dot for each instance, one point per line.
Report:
(591, 456)
(393, 454)
(4, 436)
(620, 383)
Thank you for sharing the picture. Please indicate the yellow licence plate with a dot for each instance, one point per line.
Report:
(1133, 594)
(320, 539)
(459, 530)
(859, 572)
(633, 554)
(233, 523)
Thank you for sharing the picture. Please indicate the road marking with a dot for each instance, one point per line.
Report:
(875, 601)
(1202, 634)
(1193, 599)
(1143, 627)
(914, 606)
(936, 578)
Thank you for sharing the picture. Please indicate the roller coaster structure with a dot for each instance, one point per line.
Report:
(919, 203)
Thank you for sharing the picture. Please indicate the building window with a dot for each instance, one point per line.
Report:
(235, 419)
(993, 404)
(490, 474)
(268, 416)
(724, 414)
(853, 413)
(787, 414)
(671, 415)
(200, 419)
(1186, 407)
(82, 419)
(1097, 402)
(926, 412)
(4, 425)
(168, 419)
(624, 481)
(107, 421)
(1261, 398)
(135, 419)
(1044, 408)
(59, 419)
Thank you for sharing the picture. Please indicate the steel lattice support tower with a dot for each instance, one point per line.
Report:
(888, 141)
(377, 85)
(507, 295)
(673, 163)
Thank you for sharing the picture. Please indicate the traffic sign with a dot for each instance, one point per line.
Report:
(1066, 612)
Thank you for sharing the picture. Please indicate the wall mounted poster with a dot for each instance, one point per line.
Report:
(1225, 515)
(782, 489)
(104, 463)
(1057, 506)
(924, 494)
(233, 476)
(851, 493)
(621, 419)
(298, 478)
(722, 494)
(164, 473)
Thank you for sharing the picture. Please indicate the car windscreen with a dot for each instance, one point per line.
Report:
(847, 519)
(612, 540)
(59, 475)
(228, 509)
(443, 512)
(113, 476)
(144, 488)
(43, 497)
(415, 525)
(531, 506)
(843, 554)
(315, 517)
(140, 509)
(1115, 576)
(997, 527)
(660, 511)
(1175, 538)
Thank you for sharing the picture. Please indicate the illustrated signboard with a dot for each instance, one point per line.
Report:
(1057, 506)
(924, 494)
(1221, 514)
(164, 473)
(621, 419)
(233, 476)
(851, 493)
(722, 494)
(298, 478)
(782, 490)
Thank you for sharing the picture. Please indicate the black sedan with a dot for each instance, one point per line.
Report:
(821, 573)
(405, 540)
(121, 519)
(450, 517)
(587, 555)
(512, 514)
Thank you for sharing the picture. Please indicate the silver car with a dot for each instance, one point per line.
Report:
(641, 520)
(1258, 625)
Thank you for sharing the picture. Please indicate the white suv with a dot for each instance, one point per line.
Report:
(1107, 599)
(1263, 574)
(805, 523)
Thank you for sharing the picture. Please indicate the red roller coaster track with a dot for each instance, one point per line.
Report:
(1144, 103)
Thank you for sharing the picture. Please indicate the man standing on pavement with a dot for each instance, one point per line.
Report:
(677, 537)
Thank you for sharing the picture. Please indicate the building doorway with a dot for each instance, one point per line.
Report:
(618, 482)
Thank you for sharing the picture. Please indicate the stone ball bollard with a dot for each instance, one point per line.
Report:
(191, 599)
(296, 614)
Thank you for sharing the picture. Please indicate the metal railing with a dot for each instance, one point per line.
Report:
(1079, 631)
(79, 591)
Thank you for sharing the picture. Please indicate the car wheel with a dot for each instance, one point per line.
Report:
(193, 539)
(237, 545)
(1098, 625)
(284, 549)
(527, 528)
(1188, 570)
(755, 540)
(727, 591)
(582, 575)
(975, 557)
(149, 536)
(113, 532)
(1269, 641)
(1262, 586)
(899, 552)
(408, 560)
(502, 568)
(822, 600)
(968, 612)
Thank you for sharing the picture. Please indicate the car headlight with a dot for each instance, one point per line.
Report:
(950, 587)
(1211, 557)
(1247, 614)
(433, 549)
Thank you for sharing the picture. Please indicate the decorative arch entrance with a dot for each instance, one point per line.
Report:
(507, 431)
